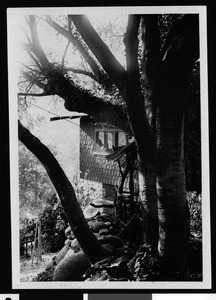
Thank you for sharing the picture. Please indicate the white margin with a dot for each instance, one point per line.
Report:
(12, 13)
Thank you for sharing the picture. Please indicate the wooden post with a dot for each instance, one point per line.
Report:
(35, 238)
(26, 247)
(39, 242)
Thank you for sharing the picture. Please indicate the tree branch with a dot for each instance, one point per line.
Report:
(33, 79)
(86, 238)
(100, 50)
(36, 45)
(150, 63)
(100, 76)
(134, 98)
(82, 72)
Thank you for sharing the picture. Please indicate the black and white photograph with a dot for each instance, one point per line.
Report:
(109, 147)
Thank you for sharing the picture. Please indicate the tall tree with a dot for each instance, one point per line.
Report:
(149, 103)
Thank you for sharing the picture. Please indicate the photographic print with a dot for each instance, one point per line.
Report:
(109, 147)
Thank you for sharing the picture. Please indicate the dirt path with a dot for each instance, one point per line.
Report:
(28, 272)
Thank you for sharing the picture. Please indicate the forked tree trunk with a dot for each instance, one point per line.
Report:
(173, 213)
(86, 238)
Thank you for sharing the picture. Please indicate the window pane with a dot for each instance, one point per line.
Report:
(99, 138)
(110, 141)
(121, 139)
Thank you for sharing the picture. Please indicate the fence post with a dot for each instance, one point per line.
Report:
(39, 242)
(35, 238)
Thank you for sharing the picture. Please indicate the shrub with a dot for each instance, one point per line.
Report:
(53, 223)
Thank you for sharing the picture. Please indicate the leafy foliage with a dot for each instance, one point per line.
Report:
(195, 208)
(53, 223)
(34, 184)
(192, 143)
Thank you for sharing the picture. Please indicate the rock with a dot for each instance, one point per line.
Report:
(108, 224)
(72, 267)
(98, 225)
(102, 217)
(74, 245)
(68, 231)
(99, 206)
(67, 242)
(111, 239)
(109, 248)
(103, 231)
(50, 265)
(70, 252)
(62, 253)
(97, 235)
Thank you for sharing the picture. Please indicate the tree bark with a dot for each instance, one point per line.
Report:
(174, 221)
(148, 197)
(86, 238)
(173, 213)
(150, 63)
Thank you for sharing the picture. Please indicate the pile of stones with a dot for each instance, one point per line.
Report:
(70, 264)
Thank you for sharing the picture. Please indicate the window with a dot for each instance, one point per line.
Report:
(106, 139)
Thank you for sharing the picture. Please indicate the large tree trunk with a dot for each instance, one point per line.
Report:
(173, 211)
(178, 56)
(86, 238)
(148, 197)
(150, 64)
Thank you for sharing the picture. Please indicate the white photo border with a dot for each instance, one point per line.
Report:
(12, 15)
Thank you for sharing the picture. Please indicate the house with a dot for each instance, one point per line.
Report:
(96, 142)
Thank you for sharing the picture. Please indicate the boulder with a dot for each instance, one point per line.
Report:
(104, 231)
(101, 206)
(70, 252)
(111, 239)
(72, 267)
(75, 246)
(68, 231)
(62, 252)
(50, 264)
(109, 248)
(98, 225)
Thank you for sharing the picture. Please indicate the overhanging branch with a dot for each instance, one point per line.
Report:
(100, 76)
(100, 50)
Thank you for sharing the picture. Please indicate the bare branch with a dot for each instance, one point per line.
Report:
(83, 72)
(74, 40)
(26, 34)
(33, 79)
(100, 50)
(37, 48)
(65, 52)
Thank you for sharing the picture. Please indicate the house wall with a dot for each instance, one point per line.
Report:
(93, 165)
